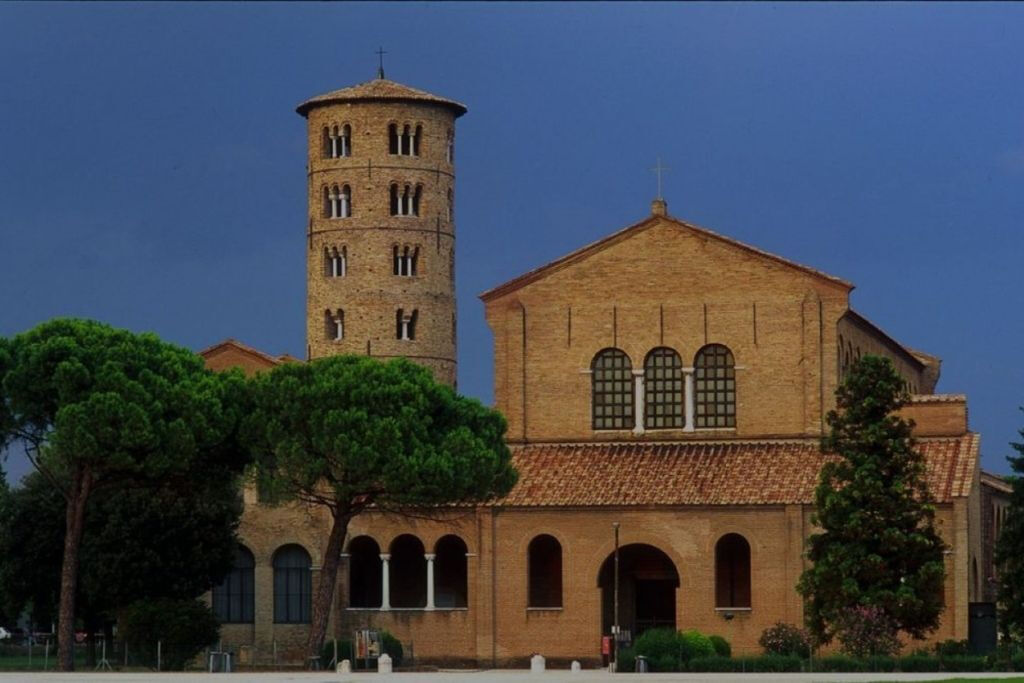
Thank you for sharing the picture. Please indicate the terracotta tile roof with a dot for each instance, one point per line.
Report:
(381, 90)
(244, 348)
(625, 233)
(722, 473)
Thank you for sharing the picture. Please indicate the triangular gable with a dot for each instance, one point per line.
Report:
(634, 230)
(232, 353)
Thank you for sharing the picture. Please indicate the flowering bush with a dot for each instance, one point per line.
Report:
(866, 631)
(785, 639)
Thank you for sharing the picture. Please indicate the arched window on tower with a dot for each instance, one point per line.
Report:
(405, 324)
(346, 141)
(417, 193)
(450, 572)
(393, 139)
(451, 206)
(663, 389)
(327, 143)
(405, 260)
(292, 585)
(715, 390)
(234, 599)
(334, 322)
(732, 571)
(395, 200)
(335, 262)
(406, 141)
(612, 387)
(416, 138)
(544, 559)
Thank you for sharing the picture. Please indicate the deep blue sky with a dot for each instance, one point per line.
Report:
(152, 165)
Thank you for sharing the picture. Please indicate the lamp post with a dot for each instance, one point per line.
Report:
(615, 601)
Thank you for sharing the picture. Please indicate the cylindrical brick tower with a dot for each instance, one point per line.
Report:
(381, 235)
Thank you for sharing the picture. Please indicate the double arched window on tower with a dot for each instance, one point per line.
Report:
(405, 199)
(404, 140)
(405, 260)
(337, 141)
(335, 261)
(338, 201)
(334, 324)
(668, 397)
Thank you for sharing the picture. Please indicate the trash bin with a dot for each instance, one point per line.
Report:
(641, 664)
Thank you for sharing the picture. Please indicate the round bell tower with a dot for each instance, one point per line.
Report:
(380, 274)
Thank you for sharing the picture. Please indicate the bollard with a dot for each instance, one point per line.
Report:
(344, 667)
(575, 667)
(537, 664)
(384, 664)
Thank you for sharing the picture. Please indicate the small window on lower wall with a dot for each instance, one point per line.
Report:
(293, 590)
(545, 572)
(234, 599)
(732, 571)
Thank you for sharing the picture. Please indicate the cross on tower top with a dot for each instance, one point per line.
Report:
(380, 68)
(659, 169)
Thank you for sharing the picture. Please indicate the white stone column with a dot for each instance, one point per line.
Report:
(385, 585)
(688, 398)
(638, 402)
(430, 579)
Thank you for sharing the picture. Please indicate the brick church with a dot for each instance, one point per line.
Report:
(665, 380)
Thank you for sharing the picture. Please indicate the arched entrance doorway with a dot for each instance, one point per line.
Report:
(647, 589)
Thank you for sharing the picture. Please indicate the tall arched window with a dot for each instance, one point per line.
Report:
(293, 592)
(715, 390)
(663, 389)
(408, 572)
(611, 381)
(416, 141)
(234, 599)
(450, 572)
(364, 573)
(393, 139)
(732, 571)
(545, 572)
(406, 141)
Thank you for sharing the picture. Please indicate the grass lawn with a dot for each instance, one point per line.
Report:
(21, 662)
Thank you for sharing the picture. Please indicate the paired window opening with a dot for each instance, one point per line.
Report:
(293, 579)
(334, 322)
(544, 572)
(404, 140)
(663, 384)
(715, 396)
(405, 324)
(234, 600)
(405, 199)
(338, 202)
(612, 384)
(338, 141)
(405, 260)
(336, 262)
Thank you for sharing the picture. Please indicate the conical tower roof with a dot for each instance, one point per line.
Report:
(379, 90)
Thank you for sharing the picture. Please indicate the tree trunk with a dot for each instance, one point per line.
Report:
(324, 597)
(81, 483)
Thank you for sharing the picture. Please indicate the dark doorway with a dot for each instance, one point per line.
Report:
(647, 590)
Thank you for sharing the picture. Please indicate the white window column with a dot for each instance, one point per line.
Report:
(688, 398)
(638, 401)
(385, 582)
(345, 209)
(334, 145)
(430, 579)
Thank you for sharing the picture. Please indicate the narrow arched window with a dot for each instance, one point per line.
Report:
(417, 193)
(405, 324)
(395, 200)
(345, 199)
(612, 387)
(234, 599)
(732, 571)
(715, 387)
(450, 572)
(327, 202)
(417, 136)
(408, 572)
(334, 322)
(545, 572)
(336, 262)
(393, 139)
(663, 389)
(327, 143)
(292, 585)
(346, 140)
(365, 576)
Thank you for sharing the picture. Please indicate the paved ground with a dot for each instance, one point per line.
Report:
(479, 676)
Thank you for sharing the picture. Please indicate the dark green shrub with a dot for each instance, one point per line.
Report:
(716, 664)
(721, 645)
(693, 643)
(918, 664)
(393, 648)
(664, 664)
(774, 664)
(952, 648)
(346, 650)
(962, 663)
(786, 639)
(627, 660)
(183, 628)
(660, 645)
(838, 664)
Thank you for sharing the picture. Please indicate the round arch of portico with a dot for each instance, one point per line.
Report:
(428, 539)
(598, 557)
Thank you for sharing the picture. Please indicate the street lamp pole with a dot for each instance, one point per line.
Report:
(615, 599)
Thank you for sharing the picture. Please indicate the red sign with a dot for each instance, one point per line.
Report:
(606, 645)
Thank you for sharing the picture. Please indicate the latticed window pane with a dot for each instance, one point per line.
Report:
(715, 387)
(293, 590)
(233, 599)
(663, 387)
(612, 383)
